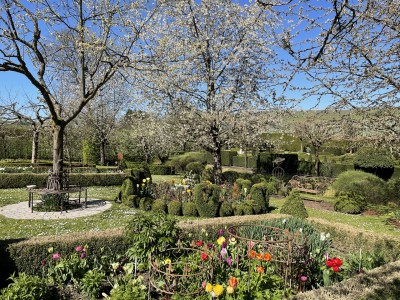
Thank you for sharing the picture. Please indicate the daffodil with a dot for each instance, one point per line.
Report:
(209, 287)
(218, 289)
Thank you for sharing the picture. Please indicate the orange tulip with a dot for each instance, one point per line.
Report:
(252, 254)
(260, 269)
(233, 282)
(259, 256)
(267, 257)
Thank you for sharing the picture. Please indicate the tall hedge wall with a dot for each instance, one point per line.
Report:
(21, 180)
(265, 165)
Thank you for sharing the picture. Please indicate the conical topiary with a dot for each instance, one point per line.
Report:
(294, 206)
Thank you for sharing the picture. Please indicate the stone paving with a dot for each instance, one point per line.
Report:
(22, 211)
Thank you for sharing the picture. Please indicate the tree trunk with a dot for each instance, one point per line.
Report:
(35, 146)
(57, 180)
(103, 143)
(217, 166)
(316, 164)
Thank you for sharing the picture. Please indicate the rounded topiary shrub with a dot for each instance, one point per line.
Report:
(129, 187)
(159, 205)
(294, 206)
(146, 203)
(195, 168)
(259, 194)
(189, 209)
(375, 161)
(206, 198)
(238, 209)
(175, 208)
(141, 172)
(243, 184)
(349, 205)
(131, 201)
(366, 185)
(225, 210)
(248, 207)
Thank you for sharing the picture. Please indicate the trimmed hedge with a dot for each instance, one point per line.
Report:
(189, 209)
(21, 180)
(240, 161)
(259, 194)
(28, 255)
(294, 206)
(265, 165)
(227, 157)
(206, 197)
(161, 170)
(374, 161)
(175, 208)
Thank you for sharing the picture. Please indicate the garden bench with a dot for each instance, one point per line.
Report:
(72, 189)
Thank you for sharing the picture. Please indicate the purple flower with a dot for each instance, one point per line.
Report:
(229, 261)
(44, 262)
(224, 244)
(303, 278)
(209, 245)
(83, 255)
(224, 252)
(78, 248)
(221, 232)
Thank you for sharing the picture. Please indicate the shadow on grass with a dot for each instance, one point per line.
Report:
(7, 265)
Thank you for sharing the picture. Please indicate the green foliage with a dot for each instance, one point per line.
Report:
(195, 167)
(350, 204)
(92, 283)
(238, 209)
(132, 201)
(26, 287)
(206, 198)
(128, 188)
(181, 161)
(150, 233)
(304, 167)
(259, 194)
(225, 210)
(247, 207)
(159, 205)
(358, 183)
(393, 189)
(175, 208)
(131, 289)
(243, 184)
(231, 176)
(161, 170)
(141, 172)
(294, 206)
(89, 155)
(227, 157)
(189, 209)
(28, 255)
(240, 161)
(375, 161)
(146, 203)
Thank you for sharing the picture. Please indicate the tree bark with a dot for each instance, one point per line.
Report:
(57, 180)
(316, 164)
(217, 166)
(35, 146)
(103, 143)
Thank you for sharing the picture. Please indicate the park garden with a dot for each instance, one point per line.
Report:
(230, 149)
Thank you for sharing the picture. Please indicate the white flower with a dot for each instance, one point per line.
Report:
(322, 236)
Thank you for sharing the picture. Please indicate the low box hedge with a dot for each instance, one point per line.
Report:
(161, 170)
(21, 180)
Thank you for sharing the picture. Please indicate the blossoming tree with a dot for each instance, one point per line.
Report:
(215, 59)
(76, 45)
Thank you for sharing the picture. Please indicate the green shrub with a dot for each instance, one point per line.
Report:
(133, 201)
(294, 206)
(28, 255)
(349, 205)
(265, 162)
(195, 167)
(141, 172)
(161, 170)
(132, 289)
(179, 162)
(206, 198)
(225, 210)
(238, 209)
(240, 161)
(304, 167)
(175, 208)
(26, 287)
(365, 185)
(259, 194)
(150, 233)
(189, 209)
(92, 283)
(248, 207)
(374, 161)
(146, 203)
(159, 205)
(230, 176)
(208, 175)
(243, 184)
(393, 189)
(128, 188)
